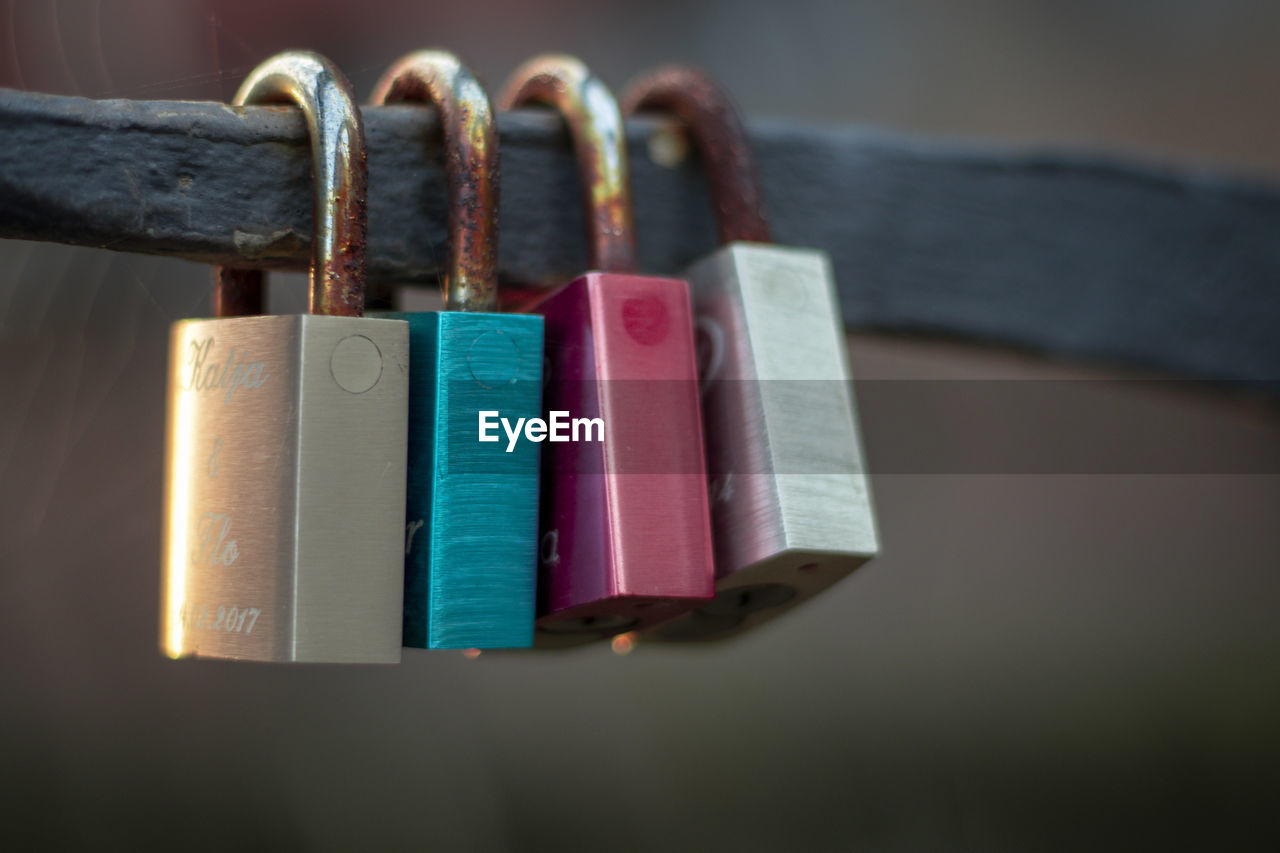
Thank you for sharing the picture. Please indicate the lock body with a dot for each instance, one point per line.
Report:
(284, 501)
(472, 509)
(791, 508)
(625, 537)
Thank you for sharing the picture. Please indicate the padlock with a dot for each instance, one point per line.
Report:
(791, 506)
(472, 532)
(625, 531)
(287, 435)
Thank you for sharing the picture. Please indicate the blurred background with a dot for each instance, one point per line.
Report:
(1037, 661)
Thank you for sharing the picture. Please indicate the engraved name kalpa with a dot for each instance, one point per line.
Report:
(237, 371)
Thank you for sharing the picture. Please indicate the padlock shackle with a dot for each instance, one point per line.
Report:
(471, 168)
(600, 142)
(709, 117)
(338, 214)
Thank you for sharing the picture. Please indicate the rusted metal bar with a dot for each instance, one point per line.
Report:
(1068, 254)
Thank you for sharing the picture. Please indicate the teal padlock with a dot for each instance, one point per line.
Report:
(471, 532)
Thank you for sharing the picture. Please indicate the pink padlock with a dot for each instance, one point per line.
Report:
(625, 530)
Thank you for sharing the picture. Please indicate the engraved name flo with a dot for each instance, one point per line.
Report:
(235, 372)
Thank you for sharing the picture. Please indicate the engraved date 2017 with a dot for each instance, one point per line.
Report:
(233, 620)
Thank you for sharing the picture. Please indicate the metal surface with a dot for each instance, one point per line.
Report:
(791, 506)
(625, 536)
(471, 158)
(237, 292)
(334, 126)
(710, 118)
(791, 509)
(600, 146)
(472, 509)
(285, 491)
(472, 524)
(1061, 252)
(286, 438)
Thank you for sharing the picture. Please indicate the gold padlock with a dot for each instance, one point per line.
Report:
(287, 435)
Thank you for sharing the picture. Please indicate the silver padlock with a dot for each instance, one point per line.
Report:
(287, 435)
(791, 508)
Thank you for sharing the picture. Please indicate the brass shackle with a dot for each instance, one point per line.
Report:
(600, 142)
(322, 91)
(471, 168)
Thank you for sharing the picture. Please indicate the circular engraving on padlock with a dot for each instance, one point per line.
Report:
(787, 286)
(645, 319)
(356, 364)
(494, 359)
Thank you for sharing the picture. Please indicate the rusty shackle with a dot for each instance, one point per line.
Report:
(471, 168)
(600, 143)
(709, 116)
(338, 213)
